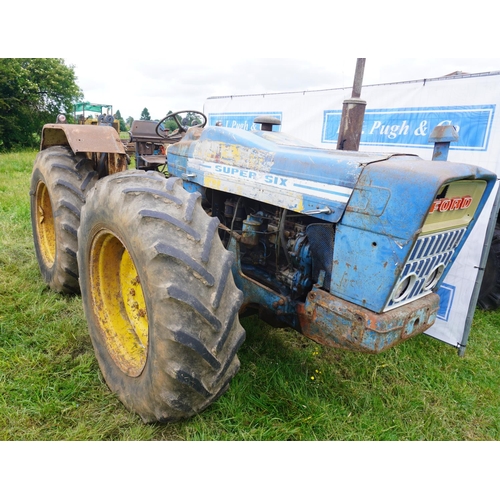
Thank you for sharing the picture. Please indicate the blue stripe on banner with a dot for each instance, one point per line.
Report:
(446, 294)
(411, 127)
(243, 120)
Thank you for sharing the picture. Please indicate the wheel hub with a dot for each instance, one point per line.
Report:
(45, 225)
(119, 303)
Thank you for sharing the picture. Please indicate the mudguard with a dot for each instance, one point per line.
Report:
(82, 138)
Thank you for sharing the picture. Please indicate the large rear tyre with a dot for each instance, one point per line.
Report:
(159, 296)
(59, 183)
(489, 294)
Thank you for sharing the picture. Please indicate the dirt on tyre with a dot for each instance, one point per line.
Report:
(489, 294)
(159, 295)
(59, 183)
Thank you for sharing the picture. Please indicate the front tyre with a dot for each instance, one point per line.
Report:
(59, 183)
(159, 296)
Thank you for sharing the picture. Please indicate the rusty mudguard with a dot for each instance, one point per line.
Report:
(335, 322)
(88, 139)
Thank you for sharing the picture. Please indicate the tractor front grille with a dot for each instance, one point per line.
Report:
(429, 258)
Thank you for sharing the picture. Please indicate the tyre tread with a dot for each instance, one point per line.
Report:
(68, 178)
(195, 300)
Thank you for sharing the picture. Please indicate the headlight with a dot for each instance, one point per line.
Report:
(433, 277)
(403, 288)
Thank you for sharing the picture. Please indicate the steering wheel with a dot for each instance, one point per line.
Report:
(182, 123)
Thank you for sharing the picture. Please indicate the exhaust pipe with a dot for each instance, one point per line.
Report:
(353, 113)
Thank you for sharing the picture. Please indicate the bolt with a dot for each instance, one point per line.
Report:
(278, 303)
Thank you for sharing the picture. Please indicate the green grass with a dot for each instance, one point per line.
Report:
(288, 388)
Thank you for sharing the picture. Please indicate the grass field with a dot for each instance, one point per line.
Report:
(288, 388)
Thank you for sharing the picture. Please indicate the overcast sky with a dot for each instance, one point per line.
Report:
(173, 55)
(161, 85)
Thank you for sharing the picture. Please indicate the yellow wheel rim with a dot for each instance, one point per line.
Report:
(119, 304)
(45, 225)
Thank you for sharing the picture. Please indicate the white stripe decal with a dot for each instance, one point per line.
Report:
(266, 180)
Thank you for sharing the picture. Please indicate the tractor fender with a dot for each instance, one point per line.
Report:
(82, 138)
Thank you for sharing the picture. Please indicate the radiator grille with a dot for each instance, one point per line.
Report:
(430, 255)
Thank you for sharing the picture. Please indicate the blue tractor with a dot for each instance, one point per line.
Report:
(348, 248)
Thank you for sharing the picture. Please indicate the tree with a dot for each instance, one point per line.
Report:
(130, 120)
(170, 124)
(121, 121)
(33, 92)
(145, 114)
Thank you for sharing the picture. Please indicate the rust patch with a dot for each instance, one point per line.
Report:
(82, 138)
(335, 322)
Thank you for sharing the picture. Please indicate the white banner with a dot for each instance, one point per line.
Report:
(399, 117)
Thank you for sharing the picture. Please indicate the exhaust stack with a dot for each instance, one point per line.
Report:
(353, 113)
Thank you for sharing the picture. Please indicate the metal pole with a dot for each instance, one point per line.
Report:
(484, 257)
(358, 78)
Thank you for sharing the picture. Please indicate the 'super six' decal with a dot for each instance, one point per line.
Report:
(267, 182)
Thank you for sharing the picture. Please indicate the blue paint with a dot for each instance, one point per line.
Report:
(283, 166)
(442, 136)
(378, 202)
(373, 245)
